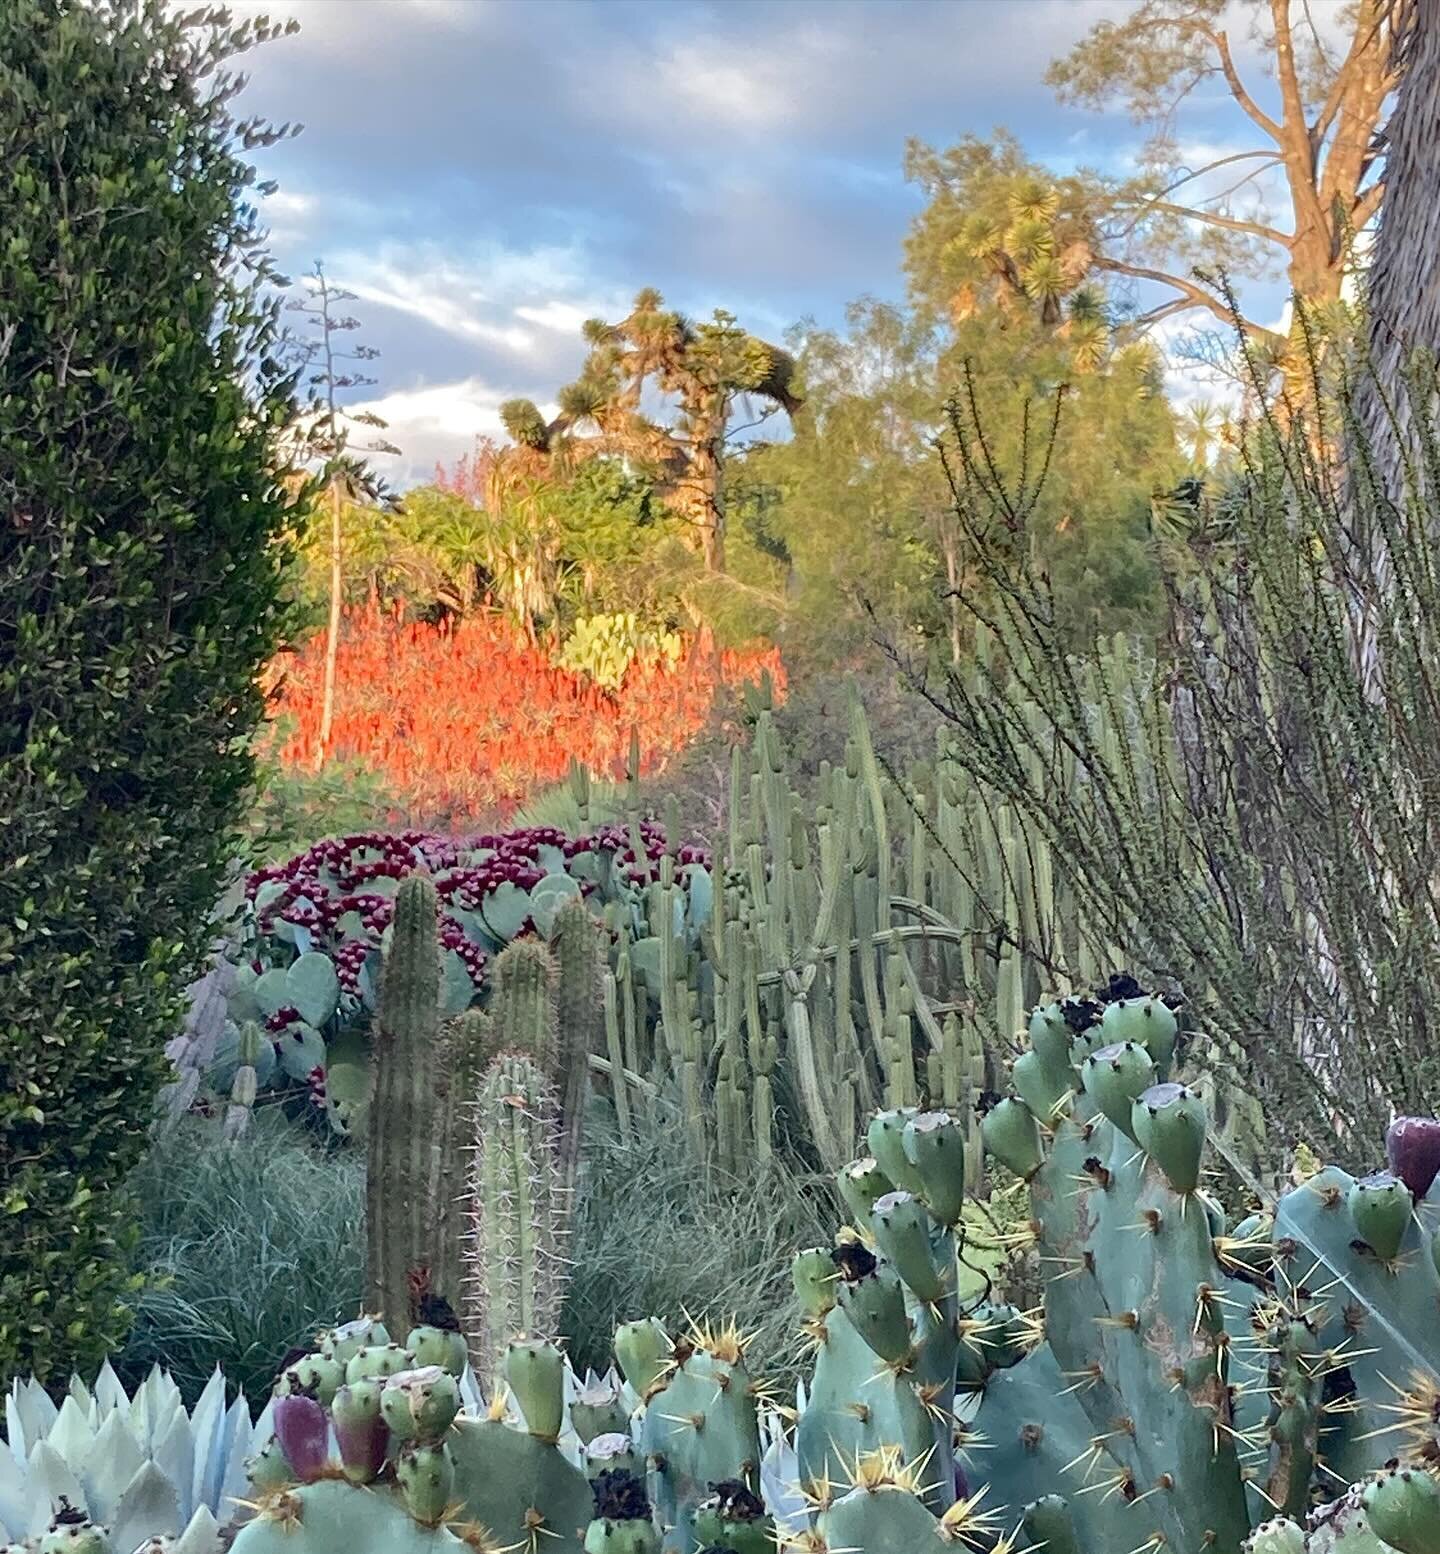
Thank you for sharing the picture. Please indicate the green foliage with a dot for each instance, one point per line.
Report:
(639, 1194)
(248, 1249)
(1246, 811)
(293, 808)
(604, 647)
(139, 405)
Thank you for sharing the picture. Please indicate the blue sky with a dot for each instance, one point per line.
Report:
(485, 174)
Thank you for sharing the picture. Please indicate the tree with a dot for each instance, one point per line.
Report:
(1403, 284)
(326, 436)
(1316, 128)
(142, 569)
(1000, 263)
(700, 370)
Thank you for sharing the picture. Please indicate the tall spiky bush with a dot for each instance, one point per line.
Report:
(139, 517)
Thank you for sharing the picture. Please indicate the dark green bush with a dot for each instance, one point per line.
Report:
(140, 571)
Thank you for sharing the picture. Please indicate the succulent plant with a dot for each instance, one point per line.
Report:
(144, 1467)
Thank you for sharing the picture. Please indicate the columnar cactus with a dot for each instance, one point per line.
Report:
(519, 1212)
(408, 1179)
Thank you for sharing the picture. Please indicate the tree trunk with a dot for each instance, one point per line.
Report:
(1403, 318)
(332, 634)
(1404, 289)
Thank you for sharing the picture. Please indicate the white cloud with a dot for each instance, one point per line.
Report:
(435, 424)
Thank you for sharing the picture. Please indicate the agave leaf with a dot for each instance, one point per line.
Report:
(149, 1508)
(113, 1463)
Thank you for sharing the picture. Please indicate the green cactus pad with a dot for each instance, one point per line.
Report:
(598, 1410)
(1403, 1506)
(519, 1487)
(535, 1372)
(861, 1183)
(1012, 1135)
(426, 1477)
(1168, 1122)
(814, 1275)
(873, 1299)
(1381, 1207)
(643, 1350)
(1115, 1077)
(885, 1520)
(935, 1146)
(337, 1518)
(886, 1140)
(1148, 1021)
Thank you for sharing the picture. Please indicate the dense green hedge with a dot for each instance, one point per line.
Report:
(140, 571)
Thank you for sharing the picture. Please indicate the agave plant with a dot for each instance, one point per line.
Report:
(144, 1467)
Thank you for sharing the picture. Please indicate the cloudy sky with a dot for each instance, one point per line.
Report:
(485, 174)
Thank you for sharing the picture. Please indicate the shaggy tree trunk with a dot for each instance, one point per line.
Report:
(1404, 300)
(1404, 313)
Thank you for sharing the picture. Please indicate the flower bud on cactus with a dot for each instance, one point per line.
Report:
(1050, 1035)
(902, 1232)
(313, 1376)
(599, 1410)
(376, 1363)
(1115, 1077)
(861, 1183)
(360, 1431)
(1169, 1125)
(612, 1453)
(426, 1477)
(1012, 1135)
(1045, 1090)
(1403, 1506)
(535, 1371)
(1145, 1020)
(440, 1346)
(345, 1342)
(871, 1295)
(622, 1522)
(304, 1435)
(1049, 1525)
(814, 1275)
(1412, 1148)
(268, 1468)
(734, 1518)
(643, 1350)
(420, 1405)
(935, 1146)
(1381, 1207)
(1277, 1536)
(72, 1532)
(886, 1140)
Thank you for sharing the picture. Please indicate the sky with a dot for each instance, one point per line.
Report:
(486, 174)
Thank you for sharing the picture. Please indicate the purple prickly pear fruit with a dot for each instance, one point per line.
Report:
(362, 1434)
(304, 1435)
(1412, 1147)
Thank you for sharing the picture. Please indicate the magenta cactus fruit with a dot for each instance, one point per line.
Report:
(360, 1431)
(304, 1435)
(1412, 1148)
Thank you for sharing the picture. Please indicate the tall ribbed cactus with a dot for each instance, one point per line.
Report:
(409, 1114)
(519, 1209)
(580, 1023)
